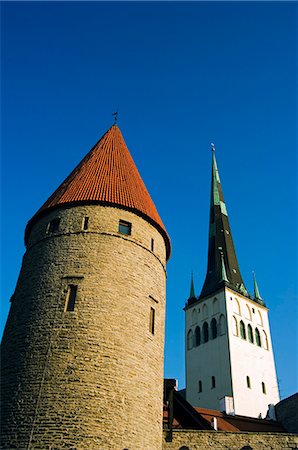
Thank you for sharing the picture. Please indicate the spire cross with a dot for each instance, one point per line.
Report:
(212, 147)
(115, 114)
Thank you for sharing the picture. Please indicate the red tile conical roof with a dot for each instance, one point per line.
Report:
(107, 175)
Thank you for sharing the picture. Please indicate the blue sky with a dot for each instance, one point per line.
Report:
(183, 75)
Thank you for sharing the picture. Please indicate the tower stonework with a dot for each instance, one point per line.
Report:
(229, 354)
(83, 345)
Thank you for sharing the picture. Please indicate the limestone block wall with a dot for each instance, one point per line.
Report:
(91, 378)
(219, 440)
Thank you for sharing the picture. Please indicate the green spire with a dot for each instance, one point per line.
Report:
(257, 296)
(222, 267)
(192, 288)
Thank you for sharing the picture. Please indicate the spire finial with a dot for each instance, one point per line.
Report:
(257, 295)
(223, 267)
(212, 147)
(115, 114)
(192, 287)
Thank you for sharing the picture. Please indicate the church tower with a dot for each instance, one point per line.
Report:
(83, 345)
(229, 354)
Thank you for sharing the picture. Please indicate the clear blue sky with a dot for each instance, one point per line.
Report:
(183, 75)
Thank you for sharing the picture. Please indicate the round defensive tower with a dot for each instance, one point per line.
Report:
(82, 351)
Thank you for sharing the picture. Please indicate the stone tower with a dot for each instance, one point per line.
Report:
(229, 355)
(83, 345)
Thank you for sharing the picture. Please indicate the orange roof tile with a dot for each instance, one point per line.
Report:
(107, 175)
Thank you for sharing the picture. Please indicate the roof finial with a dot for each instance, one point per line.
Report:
(212, 147)
(115, 114)
(224, 276)
(257, 296)
(192, 287)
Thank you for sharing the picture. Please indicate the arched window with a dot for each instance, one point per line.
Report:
(197, 336)
(250, 334)
(260, 319)
(266, 346)
(200, 386)
(184, 447)
(235, 326)
(248, 382)
(204, 312)
(194, 317)
(258, 337)
(247, 312)
(205, 332)
(236, 305)
(189, 340)
(212, 382)
(263, 387)
(242, 330)
(215, 306)
(222, 324)
(213, 328)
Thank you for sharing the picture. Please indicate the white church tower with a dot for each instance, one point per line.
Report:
(229, 354)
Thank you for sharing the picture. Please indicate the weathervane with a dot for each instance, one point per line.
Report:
(116, 116)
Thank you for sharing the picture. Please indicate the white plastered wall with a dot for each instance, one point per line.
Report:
(229, 358)
(250, 360)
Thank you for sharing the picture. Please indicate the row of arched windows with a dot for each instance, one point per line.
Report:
(203, 313)
(206, 333)
(250, 334)
(248, 312)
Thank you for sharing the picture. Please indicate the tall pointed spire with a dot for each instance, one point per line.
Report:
(192, 294)
(257, 296)
(222, 266)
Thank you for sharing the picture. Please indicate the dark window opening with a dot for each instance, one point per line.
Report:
(258, 338)
(212, 382)
(152, 245)
(213, 328)
(248, 382)
(124, 227)
(242, 330)
(263, 387)
(152, 320)
(197, 336)
(200, 386)
(71, 297)
(53, 226)
(205, 332)
(85, 223)
(250, 334)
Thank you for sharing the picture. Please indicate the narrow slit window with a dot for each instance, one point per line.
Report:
(85, 223)
(263, 387)
(71, 297)
(152, 320)
(152, 245)
(124, 227)
(53, 226)
(248, 382)
(200, 386)
(213, 382)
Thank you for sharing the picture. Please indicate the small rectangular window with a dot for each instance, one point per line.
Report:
(71, 297)
(152, 245)
(200, 386)
(124, 227)
(152, 320)
(53, 226)
(248, 382)
(263, 387)
(212, 382)
(85, 223)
